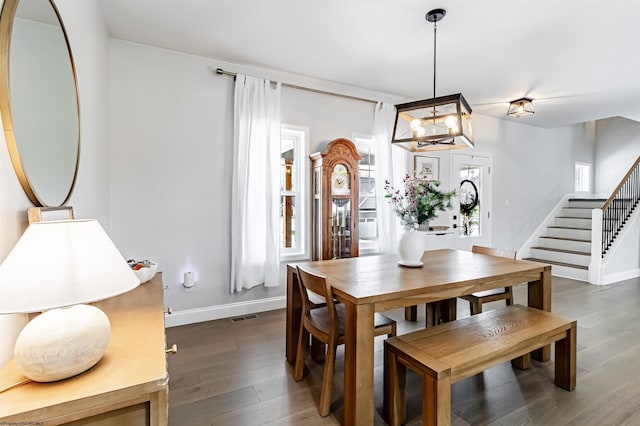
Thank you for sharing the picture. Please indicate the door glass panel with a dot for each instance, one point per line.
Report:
(469, 196)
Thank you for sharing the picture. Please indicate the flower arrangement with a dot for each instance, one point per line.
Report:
(420, 202)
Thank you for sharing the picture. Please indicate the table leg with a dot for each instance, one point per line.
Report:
(411, 313)
(440, 311)
(294, 314)
(539, 296)
(358, 365)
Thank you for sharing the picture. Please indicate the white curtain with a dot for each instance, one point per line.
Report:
(391, 166)
(255, 200)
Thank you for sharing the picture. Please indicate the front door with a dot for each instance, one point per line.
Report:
(471, 176)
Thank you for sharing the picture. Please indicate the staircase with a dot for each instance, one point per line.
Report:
(566, 242)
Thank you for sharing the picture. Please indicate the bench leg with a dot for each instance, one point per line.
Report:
(436, 400)
(395, 379)
(566, 360)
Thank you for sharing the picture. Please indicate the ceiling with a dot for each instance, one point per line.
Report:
(578, 59)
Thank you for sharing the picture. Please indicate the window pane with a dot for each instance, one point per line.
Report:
(368, 228)
(287, 174)
(293, 192)
(287, 221)
(288, 191)
(582, 177)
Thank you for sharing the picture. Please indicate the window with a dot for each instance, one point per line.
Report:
(583, 177)
(292, 191)
(368, 226)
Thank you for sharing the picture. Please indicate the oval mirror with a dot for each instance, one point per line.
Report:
(38, 100)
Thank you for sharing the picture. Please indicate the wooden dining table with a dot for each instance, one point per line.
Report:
(378, 283)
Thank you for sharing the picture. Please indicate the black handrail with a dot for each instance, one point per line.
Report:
(617, 209)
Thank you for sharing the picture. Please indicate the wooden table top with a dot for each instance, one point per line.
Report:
(135, 358)
(372, 279)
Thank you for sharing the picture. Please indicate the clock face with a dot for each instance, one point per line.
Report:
(340, 180)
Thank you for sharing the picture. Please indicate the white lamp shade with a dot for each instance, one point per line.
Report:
(62, 263)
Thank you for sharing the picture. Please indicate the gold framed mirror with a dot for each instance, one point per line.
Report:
(39, 100)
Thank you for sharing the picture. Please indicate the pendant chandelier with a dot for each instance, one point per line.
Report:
(434, 124)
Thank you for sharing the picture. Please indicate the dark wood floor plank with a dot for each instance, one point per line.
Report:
(201, 411)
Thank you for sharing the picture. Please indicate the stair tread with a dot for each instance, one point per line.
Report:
(562, 251)
(569, 227)
(566, 239)
(588, 199)
(553, 262)
(572, 217)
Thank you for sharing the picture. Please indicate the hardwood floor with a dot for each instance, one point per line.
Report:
(235, 373)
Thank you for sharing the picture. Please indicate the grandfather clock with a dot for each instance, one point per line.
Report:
(335, 201)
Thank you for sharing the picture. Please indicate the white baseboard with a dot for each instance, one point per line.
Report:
(621, 276)
(191, 316)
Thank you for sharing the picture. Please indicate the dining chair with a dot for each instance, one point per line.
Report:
(327, 325)
(477, 299)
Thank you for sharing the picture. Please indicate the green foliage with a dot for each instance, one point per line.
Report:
(420, 202)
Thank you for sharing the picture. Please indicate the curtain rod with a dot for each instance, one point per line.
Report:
(308, 89)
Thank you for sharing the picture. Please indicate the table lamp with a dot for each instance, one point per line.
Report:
(56, 267)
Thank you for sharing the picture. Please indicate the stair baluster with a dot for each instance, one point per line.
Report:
(617, 209)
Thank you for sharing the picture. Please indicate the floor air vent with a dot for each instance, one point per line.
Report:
(244, 318)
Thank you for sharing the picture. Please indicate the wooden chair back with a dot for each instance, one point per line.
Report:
(318, 285)
(510, 254)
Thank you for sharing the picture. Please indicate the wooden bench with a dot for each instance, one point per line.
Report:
(456, 350)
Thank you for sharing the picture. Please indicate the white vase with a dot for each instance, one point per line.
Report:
(411, 249)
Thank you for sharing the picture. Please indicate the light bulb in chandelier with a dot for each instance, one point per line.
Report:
(451, 123)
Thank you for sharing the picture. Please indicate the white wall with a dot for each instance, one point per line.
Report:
(83, 22)
(617, 147)
(90, 45)
(532, 170)
(171, 151)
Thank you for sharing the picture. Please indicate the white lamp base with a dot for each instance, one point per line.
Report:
(62, 343)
